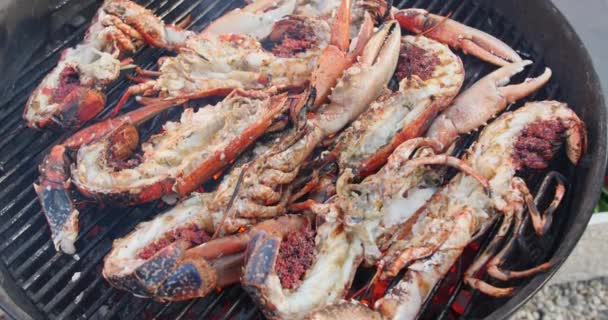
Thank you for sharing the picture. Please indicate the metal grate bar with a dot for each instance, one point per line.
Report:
(5, 211)
(124, 298)
(101, 301)
(16, 179)
(136, 314)
(185, 310)
(213, 304)
(235, 306)
(27, 159)
(32, 221)
(160, 312)
(45, 268)
(58, 296)
(28, 243)
(9, 109)
(82, 253)
(84, 231)
(13, 126)
(25, 143)
(75, 304)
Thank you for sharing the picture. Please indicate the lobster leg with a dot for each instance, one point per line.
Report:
(123, 43)
(141, 24)
(335, 58)
(123, 34)
(494, 258)
(132, 90)
(494, 265)
(492, 249)
(123, 27)
(398, 257)
(148, 73)
(446, 160)
(542, 222)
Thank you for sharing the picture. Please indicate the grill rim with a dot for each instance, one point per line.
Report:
(554, 18)
(597, 167)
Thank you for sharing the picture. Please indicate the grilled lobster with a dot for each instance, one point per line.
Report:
(73, 92)
(177, 160)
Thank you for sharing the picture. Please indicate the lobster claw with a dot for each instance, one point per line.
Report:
(361, 84)
(457, 35)
(55, 200)
(179, 279)
(168, 276)
(484, 100)
(78, 107)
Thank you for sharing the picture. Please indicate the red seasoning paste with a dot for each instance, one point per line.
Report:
(68, 81)
(190, 233)
(296, 255)
(295, 36)
(537, 144)
(414, 60)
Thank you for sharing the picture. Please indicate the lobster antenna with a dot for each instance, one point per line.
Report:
(429, 30)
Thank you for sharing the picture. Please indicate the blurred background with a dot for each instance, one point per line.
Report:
(580, 288)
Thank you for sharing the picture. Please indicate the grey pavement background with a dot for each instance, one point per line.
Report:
(590, 19)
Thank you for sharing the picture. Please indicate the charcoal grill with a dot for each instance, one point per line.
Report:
(39, 283)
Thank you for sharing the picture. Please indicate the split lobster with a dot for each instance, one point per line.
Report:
(296, 49)
(369, 212)
(72, 93)
(176, 161)
(435, 235)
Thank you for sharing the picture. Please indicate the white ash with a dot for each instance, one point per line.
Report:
(75, 276)
(170, 198)
(78, 298)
